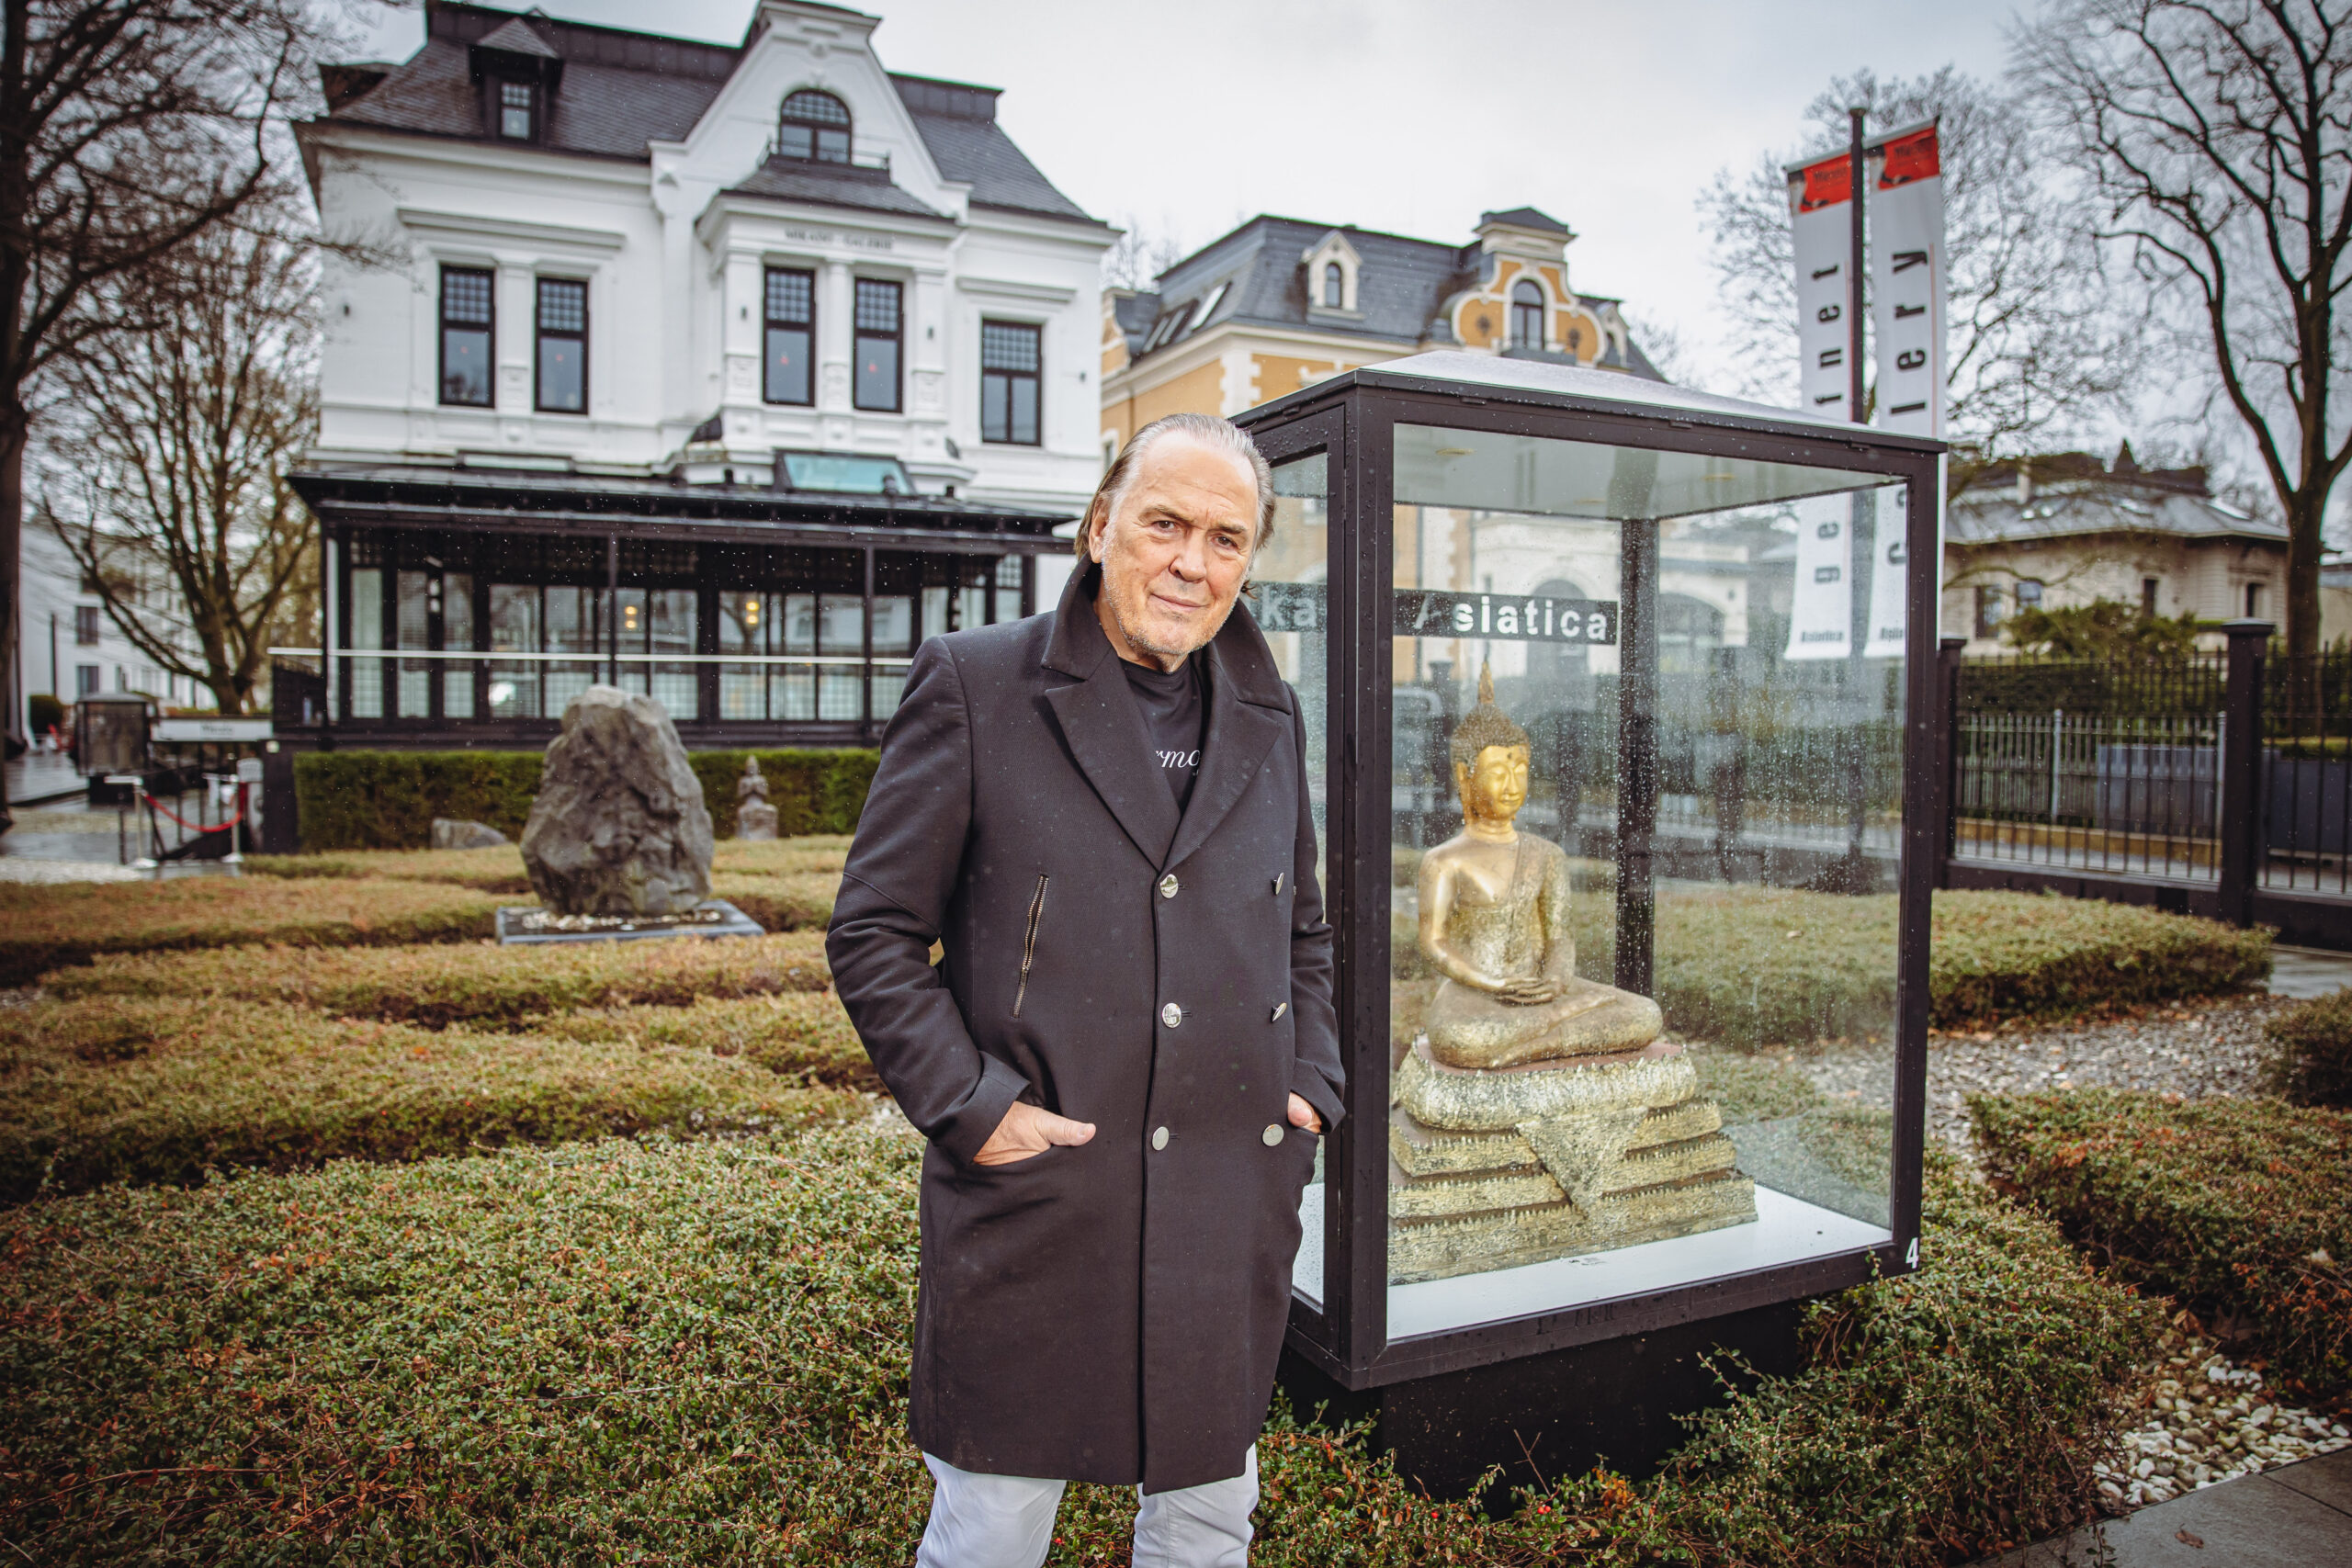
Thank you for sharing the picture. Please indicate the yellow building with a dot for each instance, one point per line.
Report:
(1279, 304)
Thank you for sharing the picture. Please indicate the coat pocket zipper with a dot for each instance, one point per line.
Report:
(1029, 944)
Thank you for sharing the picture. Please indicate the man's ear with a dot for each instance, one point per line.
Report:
(1096, 522)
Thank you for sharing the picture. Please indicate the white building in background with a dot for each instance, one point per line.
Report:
(756, 350)
(68, 646)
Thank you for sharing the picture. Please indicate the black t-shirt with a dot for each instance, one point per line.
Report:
(1173, 715)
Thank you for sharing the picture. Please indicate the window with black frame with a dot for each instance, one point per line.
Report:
(814, 126)
(467, 321)
(791, 312)
(1011, 356)
(562, 345)
(1527, 315)
(876, 384)
(517, 122)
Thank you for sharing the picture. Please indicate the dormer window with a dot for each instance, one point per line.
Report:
(1335, 287)
(1332, 271)
(515, 116)
(1526, 315)
(815, 127)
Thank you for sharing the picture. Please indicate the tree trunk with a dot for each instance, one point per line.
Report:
(12, 521)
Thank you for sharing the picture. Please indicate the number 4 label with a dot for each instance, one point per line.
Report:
(1911, 1254)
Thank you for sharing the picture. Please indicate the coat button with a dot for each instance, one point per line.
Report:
(1168, 886)
(1160, 1137)
(1171, 1015)
(1280, 1008)
(1278, 886)
(1272, 1134)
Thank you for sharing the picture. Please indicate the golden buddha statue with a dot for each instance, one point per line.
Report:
(1494, 922)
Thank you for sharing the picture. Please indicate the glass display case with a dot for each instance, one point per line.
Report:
(1617, 696)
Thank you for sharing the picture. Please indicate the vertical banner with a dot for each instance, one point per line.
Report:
(1821, 214)
(1889, 579)
(1907, 280)
(1821, 612)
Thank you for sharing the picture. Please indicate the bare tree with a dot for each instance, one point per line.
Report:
(127, 128)
(2035, 350)
(168, 454)
(2219, 135)
(1140, 254)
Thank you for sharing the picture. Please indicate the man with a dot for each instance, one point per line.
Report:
(1125, 1055)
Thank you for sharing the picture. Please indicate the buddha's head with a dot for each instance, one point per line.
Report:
(1490, 755)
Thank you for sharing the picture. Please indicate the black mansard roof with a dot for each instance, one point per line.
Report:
(617, 90)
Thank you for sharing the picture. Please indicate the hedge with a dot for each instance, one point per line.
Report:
(387, 800)
(484, 985)
(655, 1351)
(500, 869)
(47, 927)
(2235, 1206)
(2311, 1063)
(805, 1035)
(111, 1090)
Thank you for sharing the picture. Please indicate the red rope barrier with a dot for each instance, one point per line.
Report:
(187, 825)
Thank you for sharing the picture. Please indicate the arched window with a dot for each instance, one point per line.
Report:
(1526, 315)
(1335, 287)
(814, 126)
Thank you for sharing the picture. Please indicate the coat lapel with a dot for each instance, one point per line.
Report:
(1102, 726)
(1248, 713)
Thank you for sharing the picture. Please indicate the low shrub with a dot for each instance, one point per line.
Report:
(2235, 1206)
(2313, 1059)
(178, 1088)
(647, 1351)
(802, 1035)
(2037, 955)
(482, 985)
(387, 800)
(49, 926)
(1753, 1087)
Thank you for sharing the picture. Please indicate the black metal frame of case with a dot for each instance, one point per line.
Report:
(1351, 418)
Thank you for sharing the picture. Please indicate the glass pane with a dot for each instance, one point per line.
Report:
(366, 616)
(563, 374)
(837, 695)
(465, 366)
(995, 425)
(877, 373)
(841, 624)
(1025, 410)
(514, 629)
(1288, 579)
(456, 632)
(894, 626)
(1643, 859)
(575, 625)
(670, 628)
(800, 623)
(412, 625)
(788, 364)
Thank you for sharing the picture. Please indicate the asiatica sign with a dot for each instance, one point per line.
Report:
(1428, 611)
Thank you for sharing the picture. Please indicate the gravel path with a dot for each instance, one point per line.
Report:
(2207, 1419)
(2192, 1049)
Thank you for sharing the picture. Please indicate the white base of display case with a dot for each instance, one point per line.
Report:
(1787, 1230)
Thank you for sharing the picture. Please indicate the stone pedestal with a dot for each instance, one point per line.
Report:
(1494, 1169)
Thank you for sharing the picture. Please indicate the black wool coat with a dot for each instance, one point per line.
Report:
(1111, 1311)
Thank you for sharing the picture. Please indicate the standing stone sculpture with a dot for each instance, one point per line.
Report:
(619, 827)
(1537, 1114)
(755, 818)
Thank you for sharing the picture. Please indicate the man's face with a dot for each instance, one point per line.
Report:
(1174, 553)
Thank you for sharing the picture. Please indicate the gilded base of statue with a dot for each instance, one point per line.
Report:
(1494, 1170)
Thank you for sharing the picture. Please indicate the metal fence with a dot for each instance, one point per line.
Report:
(2090, 766)
(2307, 757)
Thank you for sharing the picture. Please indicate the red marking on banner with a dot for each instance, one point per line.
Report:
(1826, 183)
(1909, 159)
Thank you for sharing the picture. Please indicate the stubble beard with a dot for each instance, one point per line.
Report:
(1146, 642)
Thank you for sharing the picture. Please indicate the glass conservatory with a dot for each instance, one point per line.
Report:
(1618, 697)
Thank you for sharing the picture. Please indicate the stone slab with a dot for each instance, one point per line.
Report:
(729, 922)
(2274, 1519)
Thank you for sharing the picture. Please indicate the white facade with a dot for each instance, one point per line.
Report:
(67, 644)
(674, 249)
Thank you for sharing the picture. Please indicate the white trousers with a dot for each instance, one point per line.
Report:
(1007, 1521)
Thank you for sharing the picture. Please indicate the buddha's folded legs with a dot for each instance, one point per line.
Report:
(1469, 1028)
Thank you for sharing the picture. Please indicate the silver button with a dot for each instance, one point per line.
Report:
(1160, 1137)
(1272, 1134)
(1168, 886)
(1280, 1008)
(1171, 1015)
(1278, 885)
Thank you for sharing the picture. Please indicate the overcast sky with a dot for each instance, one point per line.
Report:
(1410, 116)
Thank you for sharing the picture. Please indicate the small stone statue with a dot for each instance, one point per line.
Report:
(755, 818)
(619, 827)
(1494, 922)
